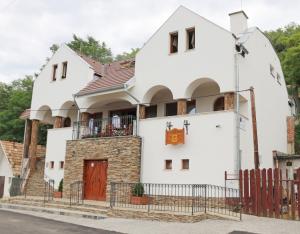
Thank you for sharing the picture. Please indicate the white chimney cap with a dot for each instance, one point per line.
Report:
(238, 22)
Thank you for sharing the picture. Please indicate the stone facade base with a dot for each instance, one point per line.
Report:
(123, 155)
(157, 216)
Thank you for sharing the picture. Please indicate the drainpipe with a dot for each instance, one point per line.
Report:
(237, 110)
(137, 109)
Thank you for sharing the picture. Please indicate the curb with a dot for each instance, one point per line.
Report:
(52, 211)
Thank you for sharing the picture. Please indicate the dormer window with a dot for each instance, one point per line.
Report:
(174, 42)
(64, 70)
(54, 70)
(190, 34)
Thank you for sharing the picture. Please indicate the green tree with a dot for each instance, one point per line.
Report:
(126, 55)
(17, 97)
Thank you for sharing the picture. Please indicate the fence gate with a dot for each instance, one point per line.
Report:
(265, 192)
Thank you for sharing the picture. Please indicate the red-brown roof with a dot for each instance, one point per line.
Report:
(112, 75)
(97, 66)
(25, 114)
(14, 153)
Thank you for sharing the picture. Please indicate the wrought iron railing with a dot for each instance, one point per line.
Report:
(177, 198)
(105, 127)
(48, 190)
(76, 193)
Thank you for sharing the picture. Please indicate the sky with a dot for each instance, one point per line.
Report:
(29, 27)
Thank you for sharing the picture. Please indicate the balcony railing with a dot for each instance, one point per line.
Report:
(105, 127)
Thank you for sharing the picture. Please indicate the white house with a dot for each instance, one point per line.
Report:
(200, 99)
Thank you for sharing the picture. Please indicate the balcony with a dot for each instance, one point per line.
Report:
(105, 127)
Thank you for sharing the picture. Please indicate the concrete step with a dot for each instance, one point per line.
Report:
(66, 202)
(102, 210)
(56, 211)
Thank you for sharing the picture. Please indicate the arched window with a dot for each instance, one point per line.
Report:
(67, 122)
(219, 104)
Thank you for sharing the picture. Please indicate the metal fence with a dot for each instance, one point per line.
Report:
(48, 190)
(105, 127)
(176, 198)
(76, 193)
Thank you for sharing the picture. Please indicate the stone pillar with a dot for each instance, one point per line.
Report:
(290, 121)
(229, 101)
(33, 143)
(142, 113)
(27, 137)
(181, 107)
(58, 122)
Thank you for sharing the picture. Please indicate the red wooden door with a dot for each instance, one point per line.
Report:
(2, 182)
(95, 179)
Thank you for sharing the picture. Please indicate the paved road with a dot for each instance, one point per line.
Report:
(15, 223)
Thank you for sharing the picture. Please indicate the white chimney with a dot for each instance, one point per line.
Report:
(238, 22)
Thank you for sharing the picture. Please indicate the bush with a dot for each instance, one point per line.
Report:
(61, 184)
(138, 190)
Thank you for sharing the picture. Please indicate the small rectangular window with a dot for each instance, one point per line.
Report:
(51, 164)
(289, 164)
(174, 42)
(185, 164)
(272, 71)
(168, 164)
(190, 33)
(54, 69)
(278, 79)
(151, 111)
(61, 164)
(64, 70)
(171, 109)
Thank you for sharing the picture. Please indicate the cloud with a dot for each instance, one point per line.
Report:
(29, 28)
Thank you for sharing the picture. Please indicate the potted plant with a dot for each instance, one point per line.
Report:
(58, 194)
(138, 197)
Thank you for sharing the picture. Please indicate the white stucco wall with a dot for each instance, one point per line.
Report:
(56, 93)
(270, 97)
(55, 151)
(209, 149)
(5, 170)
(212, 57)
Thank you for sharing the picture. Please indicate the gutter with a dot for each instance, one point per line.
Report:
(100, 90)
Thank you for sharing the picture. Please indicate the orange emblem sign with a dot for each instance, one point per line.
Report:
(175, 136)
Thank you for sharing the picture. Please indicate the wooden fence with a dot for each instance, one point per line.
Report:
(264, 192)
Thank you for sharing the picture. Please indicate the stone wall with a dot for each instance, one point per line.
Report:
(122, 153)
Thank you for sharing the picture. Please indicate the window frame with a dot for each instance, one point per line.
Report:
(51, 164)
(187, 31)
(61, 164)
(168, 163)
(171, 35)
(64, 70)
(54, 71)
(182, 164)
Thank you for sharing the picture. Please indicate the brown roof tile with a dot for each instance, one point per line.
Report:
(25, 114)
(14, 154)
(112, 75)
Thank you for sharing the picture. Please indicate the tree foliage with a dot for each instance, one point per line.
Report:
(286, 42)
(126, 55)
(14, 99)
